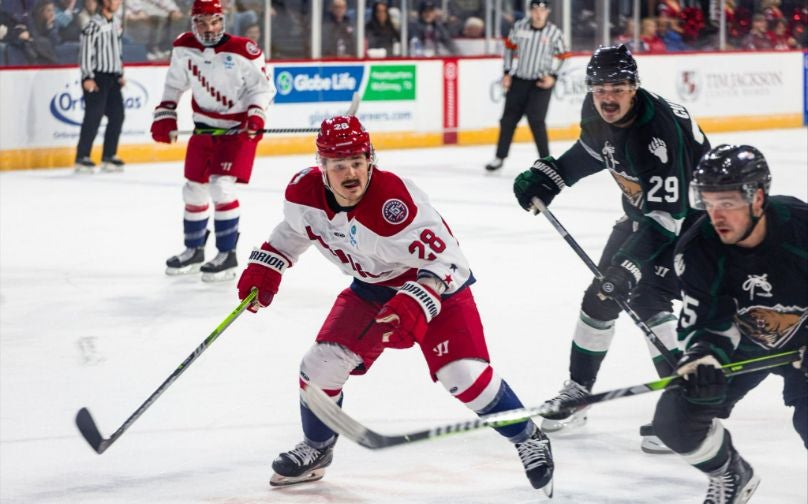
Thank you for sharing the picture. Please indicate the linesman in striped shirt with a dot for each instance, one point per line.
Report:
(101, 81)
(538, 47)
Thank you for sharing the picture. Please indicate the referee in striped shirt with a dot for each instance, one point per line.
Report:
(538, 46)
(101, 81)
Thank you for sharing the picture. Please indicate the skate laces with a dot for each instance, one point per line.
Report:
(220, 258)
(571, 391)
(535, 452)
(186, 254)
(303, 454)
(721, 489)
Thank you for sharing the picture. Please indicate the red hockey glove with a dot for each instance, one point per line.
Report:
(405, 317)
(263, 272)
(164, 127)
(255, 122)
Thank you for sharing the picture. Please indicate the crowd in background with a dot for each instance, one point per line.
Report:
(42, 32)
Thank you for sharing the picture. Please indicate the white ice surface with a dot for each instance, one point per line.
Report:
(89, 319)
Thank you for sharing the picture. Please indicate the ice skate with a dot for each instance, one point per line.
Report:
(494, 165)
(220, 268)
(85, 166)
(537, 457)
(302, 464)
(566, 419)
(732, 483)
(651, 443)
(186, 263)
(112, 165)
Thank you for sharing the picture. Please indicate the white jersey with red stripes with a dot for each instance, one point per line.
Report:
(391, 236)
(225, 80)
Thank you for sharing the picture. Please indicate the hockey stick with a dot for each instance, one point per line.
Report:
(342, 423)
(652, 337)
(235, 131)
(85, 422)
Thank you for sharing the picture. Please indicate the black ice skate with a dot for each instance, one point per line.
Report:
(494, 165)
(651, 443)
(186, 263)
(537, 457)
(220, 268)
(302, 464)
(732, 483)
(112, 165)
(566, 419)
(85, 165)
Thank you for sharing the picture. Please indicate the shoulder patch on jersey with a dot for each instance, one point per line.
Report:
(241, 46)
(187, 39)
(387, 207)
(679, 264)
(394, 211)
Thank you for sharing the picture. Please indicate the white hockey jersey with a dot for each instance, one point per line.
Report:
(224, 80)
(392, 236)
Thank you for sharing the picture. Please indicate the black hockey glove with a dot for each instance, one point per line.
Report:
(704, 380)
(540, 181)
(618, 281)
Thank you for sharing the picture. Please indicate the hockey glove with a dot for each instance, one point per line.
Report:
(540, 181)
(266, 265)
(802, 364)
(405, 318)
(164, 127)
(255, 122)
(618, 281)
(705, 382)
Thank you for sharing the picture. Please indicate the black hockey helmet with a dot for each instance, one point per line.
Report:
(611, 64)
(730, 168)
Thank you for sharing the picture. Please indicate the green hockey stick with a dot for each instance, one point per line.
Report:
(85, 422)
(342, 423)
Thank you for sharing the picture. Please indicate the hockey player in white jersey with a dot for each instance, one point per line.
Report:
(230, 90)
(411, 285)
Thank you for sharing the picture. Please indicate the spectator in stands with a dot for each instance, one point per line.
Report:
(238, 21)
(253, 32)
(290, 29)
(44, 32)
(474, 27)
(771, 9)
(380, 32)
(459, 11)
(430, 33)
(87, 12)
(155, 23)
(15, 36)
(670, 8)
(670, 31)
(780, 38)
(649, 36)
(67, 20)
(338, 32)
(627, 38)
(757, 39)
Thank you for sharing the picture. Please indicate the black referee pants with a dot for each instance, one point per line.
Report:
(107, 101)
(524, 98)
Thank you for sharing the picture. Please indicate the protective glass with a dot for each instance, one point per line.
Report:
(616, 91)
(724, 198)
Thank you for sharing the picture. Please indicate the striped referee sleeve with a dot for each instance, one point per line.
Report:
(537, 52)
(101, 49)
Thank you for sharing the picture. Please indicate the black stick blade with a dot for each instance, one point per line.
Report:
(88, 429)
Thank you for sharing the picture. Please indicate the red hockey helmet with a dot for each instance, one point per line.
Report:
(207, 8)
(201, 27)
(343, 137)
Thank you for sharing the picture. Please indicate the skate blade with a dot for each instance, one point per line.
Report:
(548, 489)
(221, 276)
(574, 421)
(654, 446)
(187, 270)
(280, 481)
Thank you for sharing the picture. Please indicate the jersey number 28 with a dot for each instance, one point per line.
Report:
(428, 239)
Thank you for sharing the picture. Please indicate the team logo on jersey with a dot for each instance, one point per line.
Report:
(758, 285)
(229, 62)
(395, 211)
(771, 326)
(679, 264)
(658, 148)
(608, 155)
(352, 235)
(630, 186)
(253, 49)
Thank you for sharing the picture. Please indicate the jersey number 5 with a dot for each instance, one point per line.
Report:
(428, 239)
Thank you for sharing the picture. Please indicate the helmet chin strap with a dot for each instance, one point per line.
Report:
(753, 220)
